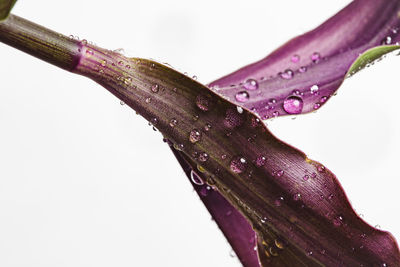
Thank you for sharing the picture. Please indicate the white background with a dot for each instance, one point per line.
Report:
(86, 182)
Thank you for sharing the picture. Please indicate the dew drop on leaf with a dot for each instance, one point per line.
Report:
(196, 178)
(155, 88)
(387, 40)
(293, 105)
(250, 84)
(297, 197)
(278, 202)
(260, 161)
(194, 136)
(315, 57)
(173, 122)
(287, 74)
(242, 96)
(314, 89)
(303, 69)
(317, 106)
(203, 157)
(295, 58)
(238, 164)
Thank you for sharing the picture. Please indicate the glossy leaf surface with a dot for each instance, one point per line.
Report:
(295, 205)
(303, 74)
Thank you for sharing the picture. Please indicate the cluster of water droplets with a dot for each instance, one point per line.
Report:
(292, 104)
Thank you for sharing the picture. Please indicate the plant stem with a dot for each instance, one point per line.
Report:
(40, 42)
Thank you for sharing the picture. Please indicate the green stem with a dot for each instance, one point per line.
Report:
(40, 42)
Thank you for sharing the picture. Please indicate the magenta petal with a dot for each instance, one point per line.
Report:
(233, 225)
(312, 66)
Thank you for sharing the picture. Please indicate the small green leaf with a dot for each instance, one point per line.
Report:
(5, 8)
(369, 57)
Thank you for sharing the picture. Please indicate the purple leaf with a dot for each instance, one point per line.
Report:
(303, 74)
(295, 205)
(234, 226)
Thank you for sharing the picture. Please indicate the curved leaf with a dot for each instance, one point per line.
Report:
(231, 222)
(303, 74)
(295, 205)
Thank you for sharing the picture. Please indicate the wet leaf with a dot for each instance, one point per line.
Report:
(304, 73)
(295, 205)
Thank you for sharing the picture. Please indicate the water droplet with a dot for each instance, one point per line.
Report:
(275, 113)
(128, 80)
(273, 251)
(173, 122)
(196, 179)
(279, 244)
(315, 57)
(321, 168)
(297, 197)
(293, 105)
(155, 88)
(89, 52)
(201, 169)
(203, 157)
(387, 40)
(239, 109)
(263, 220)
(260, 161)
(228, 213)
(195, 117)
(238, 164)
(250, 84)
(194, 136)
(179, 147)
(314, 89)
(232, 254)
(207, 127)
(121, 63)
(306, 177)
(317, 106)
(154, 121)
(363, 235)
(287, 74)
(338, 221)
(194, 77)
(279, 173)
(122, 103)
(278, 202)
(377, 226)
(103, 63)
(148, 100)
(128, 66)
(120, 51)
(303, 69)
(309, 253)
(295, 58)
(323, 99)
(313, 175)
(242, 96)
(203, 102)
